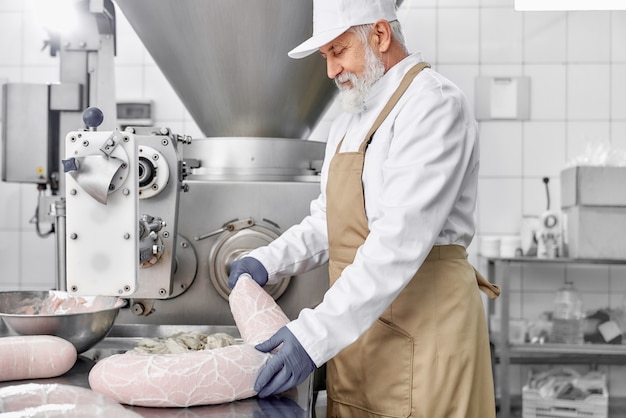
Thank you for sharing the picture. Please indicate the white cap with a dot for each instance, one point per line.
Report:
(331, 18)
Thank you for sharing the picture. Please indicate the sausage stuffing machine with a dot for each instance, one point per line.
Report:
(152, 215)
(155, 216)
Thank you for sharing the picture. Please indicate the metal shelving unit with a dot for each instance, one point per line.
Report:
(498, 271)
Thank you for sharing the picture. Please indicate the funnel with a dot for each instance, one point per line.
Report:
(227, 61)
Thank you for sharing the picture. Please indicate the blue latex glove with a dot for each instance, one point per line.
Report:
(247, 265)
(287, 368)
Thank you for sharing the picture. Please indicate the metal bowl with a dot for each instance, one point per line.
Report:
(41, 312)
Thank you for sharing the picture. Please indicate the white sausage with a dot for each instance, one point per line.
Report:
(35, 357)
(201, 377)
(256, 313)
(58, 400)
(176, 380)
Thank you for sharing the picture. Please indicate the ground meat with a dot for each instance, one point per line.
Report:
(183, 342)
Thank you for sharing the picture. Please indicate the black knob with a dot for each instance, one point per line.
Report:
(93, 117)
(70, 165)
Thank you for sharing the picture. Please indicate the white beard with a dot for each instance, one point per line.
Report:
(353, 97)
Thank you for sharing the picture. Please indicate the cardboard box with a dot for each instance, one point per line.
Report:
(593, 186)
(593, 203)
(596, 232)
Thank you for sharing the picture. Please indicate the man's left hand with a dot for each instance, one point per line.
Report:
(287, 368)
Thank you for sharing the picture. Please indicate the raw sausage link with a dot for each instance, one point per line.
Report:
(177, 380)
(256, 313)
(35, 357)
(200, 377)
(58, 400)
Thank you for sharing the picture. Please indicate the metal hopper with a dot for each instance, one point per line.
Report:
(227, 61)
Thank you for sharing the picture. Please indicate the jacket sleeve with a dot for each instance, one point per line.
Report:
(299, 249)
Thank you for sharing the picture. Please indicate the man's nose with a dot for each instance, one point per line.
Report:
(333, 69)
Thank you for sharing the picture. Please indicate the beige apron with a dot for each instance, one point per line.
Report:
(428, 355)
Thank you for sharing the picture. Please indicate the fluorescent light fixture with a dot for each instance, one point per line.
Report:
(539, 5)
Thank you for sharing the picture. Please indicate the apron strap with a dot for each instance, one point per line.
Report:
(404, 85)
(490, 289)
(452, 251)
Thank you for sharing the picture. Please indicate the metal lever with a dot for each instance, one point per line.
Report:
(111, 142)
(94, 173)
(231, 226)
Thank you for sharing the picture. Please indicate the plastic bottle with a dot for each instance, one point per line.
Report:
(568, 315)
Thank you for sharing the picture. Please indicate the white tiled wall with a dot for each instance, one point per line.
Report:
(576, 62)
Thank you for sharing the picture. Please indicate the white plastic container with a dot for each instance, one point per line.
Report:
(490, 246)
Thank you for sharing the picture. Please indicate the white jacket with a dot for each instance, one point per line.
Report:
(419, 180)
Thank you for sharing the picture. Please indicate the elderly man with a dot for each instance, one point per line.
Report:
(402, 327)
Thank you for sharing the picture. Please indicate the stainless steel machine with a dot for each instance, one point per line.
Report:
(254, 174)
(152, 215)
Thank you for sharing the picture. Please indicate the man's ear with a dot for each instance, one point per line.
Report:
(381, 36)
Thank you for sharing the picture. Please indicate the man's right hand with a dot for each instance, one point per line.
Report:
(247, 265)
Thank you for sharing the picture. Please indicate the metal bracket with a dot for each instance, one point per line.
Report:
(111, 142)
